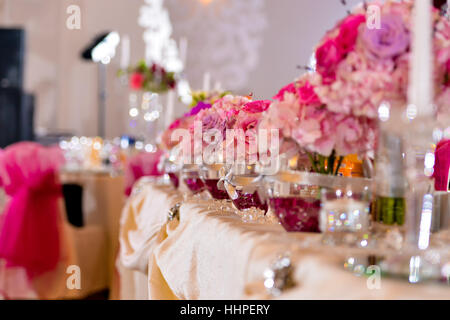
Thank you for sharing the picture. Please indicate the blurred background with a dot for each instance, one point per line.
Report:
(252, 46)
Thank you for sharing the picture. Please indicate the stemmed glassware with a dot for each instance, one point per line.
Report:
(211, 174)
(243, 185)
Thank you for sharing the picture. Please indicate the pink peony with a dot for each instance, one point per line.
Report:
(348, 32)
(328, 56)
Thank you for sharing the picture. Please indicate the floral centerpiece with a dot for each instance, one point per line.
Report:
(359, 68)
(360, 65)
(333, 112)
(152, 78)
(240, 116)
(326, 136)
(204, 101)
(228, 126)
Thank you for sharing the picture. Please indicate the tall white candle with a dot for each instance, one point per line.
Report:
(218, 86)
(125, 53)
(206, 81)
(183, 50)
(421, 75)
(170, 108)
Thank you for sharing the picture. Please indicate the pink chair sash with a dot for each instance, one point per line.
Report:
(442, 166)
(142, 165)
(29, 234)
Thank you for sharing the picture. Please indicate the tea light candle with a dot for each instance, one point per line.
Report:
(344, 214)
(421, 75)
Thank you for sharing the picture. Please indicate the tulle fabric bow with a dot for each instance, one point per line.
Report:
(141, 165)
(30, 228)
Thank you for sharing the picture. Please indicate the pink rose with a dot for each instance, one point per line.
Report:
(175, 124)
(389, 41)
(136, 81)
(257, 106)
(348, 32)
(290, 88)
(328, 56)
(307, 95)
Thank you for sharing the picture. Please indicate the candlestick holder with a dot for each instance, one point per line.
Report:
(417, 260)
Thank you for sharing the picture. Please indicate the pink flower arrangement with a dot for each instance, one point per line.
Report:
(238, 113)
(187, 120)
(301, 116)
(359, 67)
(333, 112)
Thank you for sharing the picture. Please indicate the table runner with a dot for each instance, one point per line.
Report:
(214, 255)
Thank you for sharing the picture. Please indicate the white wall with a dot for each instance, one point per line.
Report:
(66, 86)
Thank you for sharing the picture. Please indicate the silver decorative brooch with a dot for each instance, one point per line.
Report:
(279, 276)
(174, 212)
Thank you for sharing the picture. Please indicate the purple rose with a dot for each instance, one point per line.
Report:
(199, 107)
(214, 121)
(389, 41)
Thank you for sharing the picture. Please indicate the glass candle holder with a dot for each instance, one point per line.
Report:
(191, 178)
(242, 184)
(211, 175)
(295, 197)
(344, 216)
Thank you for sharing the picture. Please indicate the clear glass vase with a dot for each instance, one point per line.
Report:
(295, 197)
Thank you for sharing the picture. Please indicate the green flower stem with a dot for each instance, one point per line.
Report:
(341, 158)
(390, 210)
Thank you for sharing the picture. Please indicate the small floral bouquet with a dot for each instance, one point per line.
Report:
(238, 115)
(360, 66)
(203, 100)
(152, 78)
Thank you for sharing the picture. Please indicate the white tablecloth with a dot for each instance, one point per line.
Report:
(214, 255)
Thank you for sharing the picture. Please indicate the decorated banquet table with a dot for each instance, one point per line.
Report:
(212, 254)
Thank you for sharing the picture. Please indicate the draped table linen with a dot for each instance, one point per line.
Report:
(143, 217)
(211, 254)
